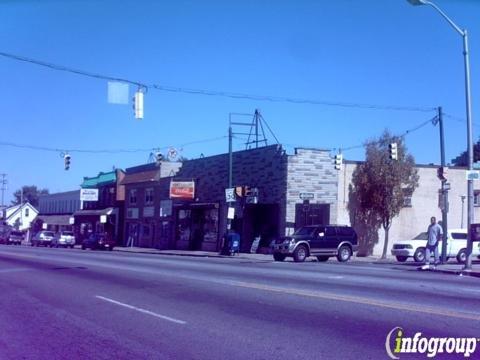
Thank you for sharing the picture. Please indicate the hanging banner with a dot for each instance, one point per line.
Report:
(182, 190)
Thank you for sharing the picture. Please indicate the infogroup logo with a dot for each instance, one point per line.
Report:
(397, 343)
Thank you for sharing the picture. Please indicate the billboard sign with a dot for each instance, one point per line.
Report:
(89, 194)
(182, 190)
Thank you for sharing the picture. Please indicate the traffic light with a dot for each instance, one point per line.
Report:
(338, 161)
(393, 151)
(442, 173)
(138, 104)
(158, 157)
(66, 159)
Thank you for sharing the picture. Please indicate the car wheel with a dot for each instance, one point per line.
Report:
(279, 257)
(323, 258)
(462, 256)
(344, 253)
(110, 248)
(419, 255)
(32, 244)
(300, 253)
(83, 247)
(402, 258)
(71, 246)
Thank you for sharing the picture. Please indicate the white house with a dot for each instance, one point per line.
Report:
(21, 215)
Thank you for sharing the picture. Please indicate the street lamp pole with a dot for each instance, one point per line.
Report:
(466, 57)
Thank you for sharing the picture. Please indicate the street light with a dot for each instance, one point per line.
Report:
(464, 34)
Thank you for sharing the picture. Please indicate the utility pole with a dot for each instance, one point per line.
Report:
(4, 186)
(444, 189)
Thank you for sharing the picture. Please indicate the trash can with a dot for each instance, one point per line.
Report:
(233, 241)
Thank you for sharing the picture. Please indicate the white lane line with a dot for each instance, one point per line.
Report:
(13, 270)
(181, 322)
(335, 277)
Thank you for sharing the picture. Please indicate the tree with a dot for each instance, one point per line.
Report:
(30, 193)
(380, 185)
(462, 159)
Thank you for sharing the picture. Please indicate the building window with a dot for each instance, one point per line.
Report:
(132, 197)
(476, 198)
(149, 196)
(27, 212)
(407, 197)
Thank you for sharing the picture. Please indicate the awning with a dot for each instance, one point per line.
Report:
(107, 211)
(55, 219)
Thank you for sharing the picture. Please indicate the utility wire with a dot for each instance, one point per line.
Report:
(233, 95)
(105, 151)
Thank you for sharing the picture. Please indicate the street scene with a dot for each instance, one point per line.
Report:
(239, 179)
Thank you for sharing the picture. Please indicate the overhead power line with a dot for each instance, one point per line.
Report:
(227, 94)
(106, 151)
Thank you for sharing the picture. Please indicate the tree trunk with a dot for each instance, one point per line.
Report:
(385, 244)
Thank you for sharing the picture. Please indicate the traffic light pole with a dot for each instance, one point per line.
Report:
(444, 191)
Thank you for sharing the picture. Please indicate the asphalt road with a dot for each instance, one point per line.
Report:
(73, 304)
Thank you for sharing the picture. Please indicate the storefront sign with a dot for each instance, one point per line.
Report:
(44, 226)
(166, 208)
(307, 196)
(71, 220)
(103, 219)
(89, 194)
(182, 190)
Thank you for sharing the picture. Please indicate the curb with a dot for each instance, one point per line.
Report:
(459, 272)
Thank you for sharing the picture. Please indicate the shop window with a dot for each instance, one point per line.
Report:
(132, 197)
(476, 198)
(146, 231)
(149, 196)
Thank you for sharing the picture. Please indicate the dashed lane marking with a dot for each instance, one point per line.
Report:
(148, 312)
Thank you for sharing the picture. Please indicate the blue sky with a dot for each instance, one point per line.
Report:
(386, 53)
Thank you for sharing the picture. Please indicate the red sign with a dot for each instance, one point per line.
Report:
(182, 190)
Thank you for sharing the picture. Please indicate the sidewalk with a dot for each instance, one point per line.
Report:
(450, 268)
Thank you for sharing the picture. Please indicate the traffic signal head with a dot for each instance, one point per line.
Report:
(66, 159)
(393, 151)
(138, 104)
(338, 161)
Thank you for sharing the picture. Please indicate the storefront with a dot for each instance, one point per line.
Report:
(96, 221)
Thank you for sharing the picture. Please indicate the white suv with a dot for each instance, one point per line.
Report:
(456, 247)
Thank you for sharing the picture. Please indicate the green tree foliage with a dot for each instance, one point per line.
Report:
(30, 193)
(462, 159)
(379, 188)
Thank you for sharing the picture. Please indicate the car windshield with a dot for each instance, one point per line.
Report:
(305, 231)
(48, 233)
(16, 233)
(67, 233)
(421, 236)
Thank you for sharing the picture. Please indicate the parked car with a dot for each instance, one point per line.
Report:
(43, 237)
(4, 232)
(456, 247)
(15, 237)
(322, 241)
(63, 238)
(98, 241)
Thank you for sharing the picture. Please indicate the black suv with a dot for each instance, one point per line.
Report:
(322, 241)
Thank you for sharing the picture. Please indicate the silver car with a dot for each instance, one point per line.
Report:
(63, 238)
(43, 238)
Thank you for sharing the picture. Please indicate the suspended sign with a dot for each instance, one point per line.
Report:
(182, 190)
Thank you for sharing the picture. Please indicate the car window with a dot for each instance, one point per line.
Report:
(16, 233)
(459, 236)
(48, 233)
(330, 231)
(305, 231)
(67, 233)
(421, 236)
(344, 231)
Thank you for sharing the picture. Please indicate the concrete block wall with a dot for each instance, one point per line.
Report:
(311, 171)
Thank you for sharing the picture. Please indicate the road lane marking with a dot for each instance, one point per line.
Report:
(13, 270)
(359, 300)
(335, 277)
(181, 322)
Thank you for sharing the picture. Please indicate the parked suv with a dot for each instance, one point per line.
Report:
(456, 247)
(322, 241)
(98, 241)
(15, 237)
(43, 238)
(63, 238)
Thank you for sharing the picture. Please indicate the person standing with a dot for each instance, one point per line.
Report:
(435, 234)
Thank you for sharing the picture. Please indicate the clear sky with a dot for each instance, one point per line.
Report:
(380, 52)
